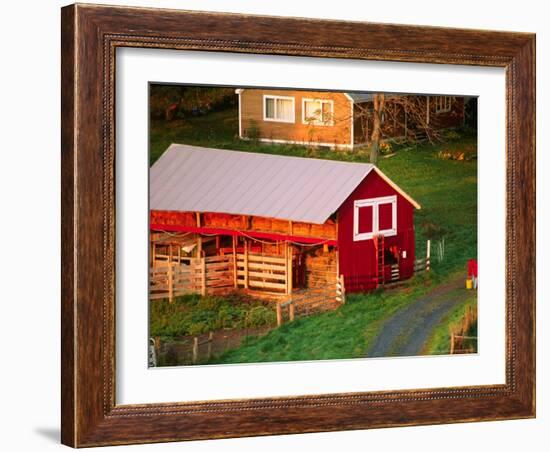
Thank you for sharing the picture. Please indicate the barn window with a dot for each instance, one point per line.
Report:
(278, 108)
(443, 104)
(317, 111)
(375, 216)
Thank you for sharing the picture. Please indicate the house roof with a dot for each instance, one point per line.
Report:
(354, 97)
(359, 97)
(195, 179)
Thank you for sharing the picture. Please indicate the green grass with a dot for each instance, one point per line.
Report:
(221, 130)
(446, 190)
(440, 341)
(341, 334)
(193, 315)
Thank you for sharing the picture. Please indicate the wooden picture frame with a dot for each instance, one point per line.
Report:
(90, 36)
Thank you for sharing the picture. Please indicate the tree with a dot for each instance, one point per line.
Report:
(387, 109)
(379, 104)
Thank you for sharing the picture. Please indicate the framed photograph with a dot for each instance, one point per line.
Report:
(267, 231)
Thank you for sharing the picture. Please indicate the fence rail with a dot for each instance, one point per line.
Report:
(270, 274)
(311, 301)
(192, 275)
(461, 341)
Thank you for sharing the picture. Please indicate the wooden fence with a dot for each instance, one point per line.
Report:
(311, 301)
(190, 275)
(169, 279)
(218, 273)
(461, 341)
(270, 274)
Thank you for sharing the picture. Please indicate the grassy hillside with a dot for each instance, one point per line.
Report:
(342, 334)
(446, 190)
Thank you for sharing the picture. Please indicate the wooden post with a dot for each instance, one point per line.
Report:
(170, 282)
(235, 275)
(179, 254)
(203, 283)
(245, 264)
(342, 289)
(153, 253)
(291, 311)
(452, 342)
(198, 219)
(428, 246)
(289, 269)
(199, 246)
(195, 349)
(170, 276)
(210, 339)
(279, 314)
(337, 262)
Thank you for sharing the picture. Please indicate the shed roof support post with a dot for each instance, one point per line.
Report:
(245, 264)
(199, 246)
(235, 282)
(288, 255)
(170, 276)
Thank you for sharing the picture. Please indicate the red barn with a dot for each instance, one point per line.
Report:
(271, 223)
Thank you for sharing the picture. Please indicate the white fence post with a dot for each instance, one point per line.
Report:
(428, 246)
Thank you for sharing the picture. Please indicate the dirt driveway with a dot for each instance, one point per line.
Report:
(407, 331)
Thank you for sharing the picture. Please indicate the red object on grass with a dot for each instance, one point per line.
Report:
(472, 268)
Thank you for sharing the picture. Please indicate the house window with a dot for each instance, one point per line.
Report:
(443, 103)
(278, 108)
(375, 216)
(318, 112)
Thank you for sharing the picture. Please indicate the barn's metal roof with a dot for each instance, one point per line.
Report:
(195, 179)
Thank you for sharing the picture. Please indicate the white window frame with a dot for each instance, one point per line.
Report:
(274, 97)
(318, 123)
(374, 203)
(443, 104)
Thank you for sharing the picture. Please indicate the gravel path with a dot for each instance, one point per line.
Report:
(406, 332)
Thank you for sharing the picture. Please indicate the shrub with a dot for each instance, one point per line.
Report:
(451, 135)
(253, 131)
(386, 147)
(194, 315)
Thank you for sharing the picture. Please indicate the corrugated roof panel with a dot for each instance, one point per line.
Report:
(190, 178)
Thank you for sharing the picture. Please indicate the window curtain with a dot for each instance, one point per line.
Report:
(284, 109)
(312, 111)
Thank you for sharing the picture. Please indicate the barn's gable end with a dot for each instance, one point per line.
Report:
(358, 258)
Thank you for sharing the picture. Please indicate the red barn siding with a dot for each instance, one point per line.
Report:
(358, 259)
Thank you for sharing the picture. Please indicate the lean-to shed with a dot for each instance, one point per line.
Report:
(324, 214)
